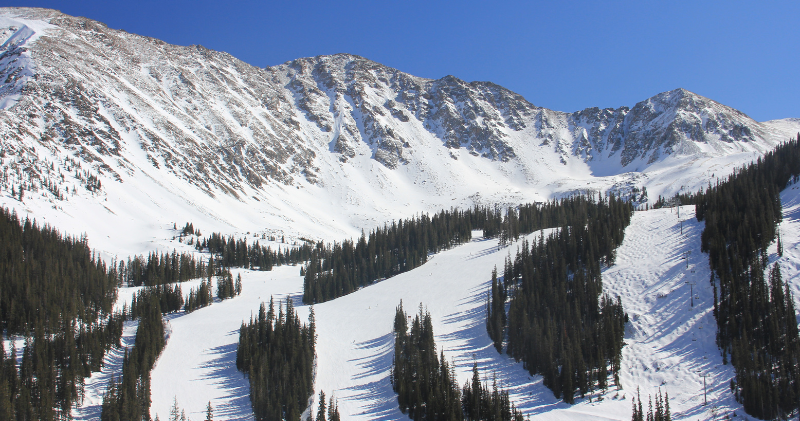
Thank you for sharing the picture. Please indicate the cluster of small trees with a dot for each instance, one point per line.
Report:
(157, 269)
(276, 352)
(426, 385)
(226, 287)
(169, 297)
(188, 229)
(333, 409)
(58, 296)
(756, 320)
(178, 414)
(660, 413)
(557, 322)
(238, 253)
(481, 403)
(199, 297)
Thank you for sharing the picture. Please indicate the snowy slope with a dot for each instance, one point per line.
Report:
(670, 344)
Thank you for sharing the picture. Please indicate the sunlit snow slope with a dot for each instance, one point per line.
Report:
(670, 343)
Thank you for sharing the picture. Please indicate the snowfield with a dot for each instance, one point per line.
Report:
(670, 344)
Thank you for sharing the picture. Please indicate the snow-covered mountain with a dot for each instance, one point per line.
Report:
(141, 134)
(121, 136)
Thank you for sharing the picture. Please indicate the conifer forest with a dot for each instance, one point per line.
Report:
(426, 386)
(559, 323)
(276, 352)
(756, 320)
(58, 296)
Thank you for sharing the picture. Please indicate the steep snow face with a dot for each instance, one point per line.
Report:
(16, 67)
(109, 132)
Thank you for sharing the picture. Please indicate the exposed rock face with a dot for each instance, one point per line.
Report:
(108, 96)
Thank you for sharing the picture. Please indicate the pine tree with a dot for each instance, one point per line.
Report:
(333, 410)
(321, 408)
(174, 411)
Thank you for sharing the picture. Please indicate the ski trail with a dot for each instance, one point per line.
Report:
(669, 343)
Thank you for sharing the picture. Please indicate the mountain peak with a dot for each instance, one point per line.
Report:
(124, 105)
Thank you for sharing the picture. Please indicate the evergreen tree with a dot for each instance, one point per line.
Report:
(558, 322)
(276, 352)
(333, 410)
(321, 408)
(661, 412)
(755, 326)
(426, 386)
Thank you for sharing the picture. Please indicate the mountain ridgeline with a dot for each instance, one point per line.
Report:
(114, 108)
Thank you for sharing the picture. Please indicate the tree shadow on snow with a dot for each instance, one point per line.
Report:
(98, 384)
(377, 363)
(485, 252)
(223, 371)
(381, 402)
(471, 344)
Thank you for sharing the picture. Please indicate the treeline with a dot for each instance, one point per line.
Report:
(556, 213)
(557, 322)
(226, 252)
(238, 253)
(756, 320)
(276, 352)
(158, 269)
(426, 385)
(128, 398)
(169, 298)
(48, 279)
(58, 296)
(338, 269)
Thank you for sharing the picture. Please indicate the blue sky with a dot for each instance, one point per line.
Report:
(561, 55)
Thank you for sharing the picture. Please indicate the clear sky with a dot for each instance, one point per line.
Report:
(563, 55)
